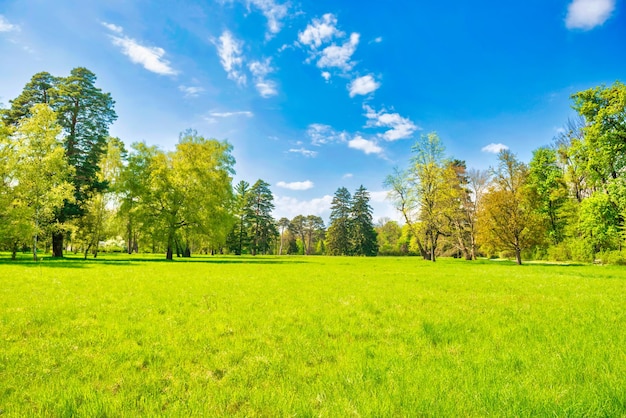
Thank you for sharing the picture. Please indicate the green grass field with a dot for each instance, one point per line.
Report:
(310, 336)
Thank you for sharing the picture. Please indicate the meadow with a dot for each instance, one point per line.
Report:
(310, 336)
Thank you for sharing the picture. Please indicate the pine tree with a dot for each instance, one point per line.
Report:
(363, 234)
(338, 234)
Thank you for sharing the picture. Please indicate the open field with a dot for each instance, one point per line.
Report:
(316, 336)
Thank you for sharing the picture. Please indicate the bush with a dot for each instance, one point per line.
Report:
(612, 257)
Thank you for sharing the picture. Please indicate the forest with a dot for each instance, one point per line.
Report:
(67, 185)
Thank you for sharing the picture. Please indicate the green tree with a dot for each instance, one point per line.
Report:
(313, 232)
(297, 228)
(40, 173)
(262, 226)
(363, 234)
(238, 238)
(39, 90)
(339, 231)
(388, 234)
(509, 218)
(283, 224)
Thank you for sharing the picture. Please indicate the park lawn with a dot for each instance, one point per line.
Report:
(310, 336)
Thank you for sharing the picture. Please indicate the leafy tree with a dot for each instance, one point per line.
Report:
(477, 182)
(238, 238)
(509, 219)
(313, 232)
(546, 181)
(297, 228)
(40, 172)
(388, 234)
(262, 227)
(339, 232)
(363, 235)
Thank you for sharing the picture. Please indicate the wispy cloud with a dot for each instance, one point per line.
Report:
(365, 145)
(348, 176)
(399, 126)
(339, 56)
(112, 27)
(363, 86)
(150, 57)
(324, 134)
(587, 14)
(306, 152)
(259, 70)
(191, 91)
(212, 117)
(273, 12)
(319, 31)
(6, 26)
(231, 114)
(326, 75)
(230, 53)
(494, 148)
(296, 185)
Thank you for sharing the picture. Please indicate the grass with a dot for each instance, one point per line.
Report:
(310, 336)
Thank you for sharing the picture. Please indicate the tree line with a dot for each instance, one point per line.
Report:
(65, 184)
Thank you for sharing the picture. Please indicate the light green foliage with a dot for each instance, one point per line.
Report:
(310, 336)
(598, 220)
(388, 235)
(509, 220)
(39, 174)
(548, 188)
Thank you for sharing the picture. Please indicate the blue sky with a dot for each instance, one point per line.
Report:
(315, 95)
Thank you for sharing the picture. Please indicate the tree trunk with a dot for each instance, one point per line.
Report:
(14, 251)
(57, 244)
(170, 254)
(518, 255)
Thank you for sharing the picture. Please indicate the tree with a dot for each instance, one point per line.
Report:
(85, 114)
(262, 227)
(40, 171)
(338, 234)
(313, 229)
(477, 181)
(283, 224)
(509, 218)
(39, 90)
(297, 228)
(546, 182)
(363, 235)
(388, 235)
(238, 238)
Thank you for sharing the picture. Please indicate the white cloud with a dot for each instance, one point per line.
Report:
(324, 134)
(229, 50)
(260, 69)
(494, 148)
(400, 127)
(290, 207)
(191, 91)
(335, 56)
(304, 151)
(231, 114)
(363, 85)
(365, 145)
(6, 26)
(151, 58)
(273, 12)
(378, 40)
(113, 28)
(320, 31)
(326, 75)
(348, 176)
(296, 185)
(587, 14)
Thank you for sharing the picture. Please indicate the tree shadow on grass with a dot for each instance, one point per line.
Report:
(73, 261)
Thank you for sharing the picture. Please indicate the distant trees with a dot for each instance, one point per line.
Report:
(351, 230)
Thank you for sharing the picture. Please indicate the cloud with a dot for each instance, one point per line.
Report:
(378, 40)
(296, 185)
(326, 75)
(324, 134)
(231, 114)
(335, 56)
(494, 148)
(150, 57)
(290, 207)
(400, 127)
(191, 91)
(259, 70)
(320, 31)
(348, 176)
(363, 86)
(273, 12)
(587, 14)
(304, 151)
(365, 145)
(6, 26)
(112, 27)
(229, 50)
